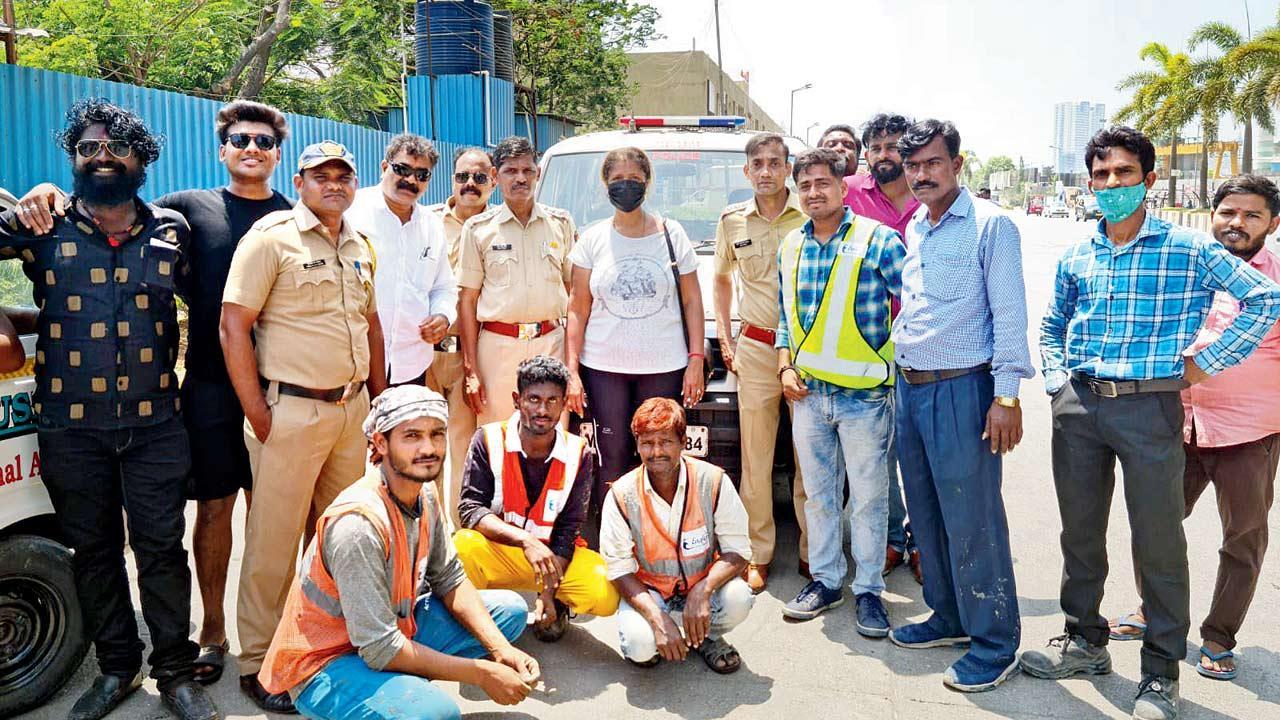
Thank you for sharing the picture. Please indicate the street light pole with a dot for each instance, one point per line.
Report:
(807, 131)
(791, 123)
(719, 66)
(10, 35)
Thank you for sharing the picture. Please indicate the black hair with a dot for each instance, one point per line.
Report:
(884, 124)
(818, 156)
(923, 133)
(1121, 136)
(1250, 185)
(761, 139)
(121, 124)
(513, 147)
(250, 111)
(414, 145)
(468, 149)
(542, 369)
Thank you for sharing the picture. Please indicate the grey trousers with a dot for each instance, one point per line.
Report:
(1144, 432)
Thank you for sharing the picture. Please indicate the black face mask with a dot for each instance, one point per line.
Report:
(626, 195)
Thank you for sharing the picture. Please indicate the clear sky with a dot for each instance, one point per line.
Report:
(994, 67)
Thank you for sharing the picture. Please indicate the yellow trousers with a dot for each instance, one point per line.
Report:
(585, 587)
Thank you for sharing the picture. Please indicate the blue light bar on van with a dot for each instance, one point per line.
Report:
(722, 121)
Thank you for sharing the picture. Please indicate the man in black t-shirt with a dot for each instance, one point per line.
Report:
(249, 136)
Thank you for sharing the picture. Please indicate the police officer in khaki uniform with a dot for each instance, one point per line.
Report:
(472, 186)
(747, 240)
(514, 281)
(301, 283)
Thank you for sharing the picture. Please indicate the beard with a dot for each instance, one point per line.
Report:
(406, 468)
(116, 189)
(885, 176)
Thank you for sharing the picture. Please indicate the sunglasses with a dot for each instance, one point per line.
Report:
(91, 148)
(405, 171)
(478, 178)
(240, 141)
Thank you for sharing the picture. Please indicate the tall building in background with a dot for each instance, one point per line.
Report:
(686, 83)
(1073, 124)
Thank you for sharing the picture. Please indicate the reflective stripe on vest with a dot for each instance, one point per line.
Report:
(510, 498)
(833, 349)
(664, 565)
(312, 629)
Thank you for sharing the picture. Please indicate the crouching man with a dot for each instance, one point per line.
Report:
(524, 497)
(382, 605)
(697, 577)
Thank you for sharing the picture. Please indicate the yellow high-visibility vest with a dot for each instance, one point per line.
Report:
(834, 350)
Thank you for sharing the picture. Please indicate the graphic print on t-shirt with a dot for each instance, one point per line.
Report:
(637, 287)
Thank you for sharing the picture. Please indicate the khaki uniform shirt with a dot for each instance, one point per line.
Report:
(748, 243)
(452, 230)
(313, 299)
(520, 270)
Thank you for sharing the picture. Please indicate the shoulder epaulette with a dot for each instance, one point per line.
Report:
(273, 219)
(734, 207)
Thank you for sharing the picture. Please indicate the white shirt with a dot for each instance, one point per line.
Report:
(618, 547)
(413, 280)
(635, 323)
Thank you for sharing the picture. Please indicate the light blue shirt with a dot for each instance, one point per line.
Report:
(963, 298)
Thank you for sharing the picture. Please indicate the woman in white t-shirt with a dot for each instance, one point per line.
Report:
(625, 340)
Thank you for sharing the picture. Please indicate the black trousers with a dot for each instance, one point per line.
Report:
(1143, 432)
(92, 475)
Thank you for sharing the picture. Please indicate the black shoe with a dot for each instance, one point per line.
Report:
(279, 703)
(189, 701)
(106, 693)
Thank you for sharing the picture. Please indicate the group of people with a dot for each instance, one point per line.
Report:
(387, 383)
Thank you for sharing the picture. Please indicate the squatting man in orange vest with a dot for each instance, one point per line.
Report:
(674, 535)
(524, 497)
(382, 605)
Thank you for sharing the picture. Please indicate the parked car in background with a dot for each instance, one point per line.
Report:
(1035, 206)
(1056, 209)
(1088, 210)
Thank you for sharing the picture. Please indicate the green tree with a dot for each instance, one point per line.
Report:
(1163, 100)
(1256, 65)
(998, 163)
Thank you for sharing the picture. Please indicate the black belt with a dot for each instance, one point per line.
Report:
(925, 377)
(334, 395)
(1116, 388)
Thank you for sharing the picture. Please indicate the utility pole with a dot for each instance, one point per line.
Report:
(719, 65)
(10, 35)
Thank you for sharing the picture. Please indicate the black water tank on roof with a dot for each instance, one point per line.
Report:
(459, 40)
(504, 52)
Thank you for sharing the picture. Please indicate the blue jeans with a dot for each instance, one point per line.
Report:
(348, 689)
(730, 604)
(900, 535)
(841, 436)
(953, 491)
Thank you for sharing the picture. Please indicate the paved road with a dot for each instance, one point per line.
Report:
(823, 668)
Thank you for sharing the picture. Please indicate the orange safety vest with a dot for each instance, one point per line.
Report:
(665, 565)
(313, 630)
(510, 499)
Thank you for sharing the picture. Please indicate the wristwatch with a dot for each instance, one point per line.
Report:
(1005, 401)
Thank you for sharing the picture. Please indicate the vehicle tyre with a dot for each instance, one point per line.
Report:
(42, 638)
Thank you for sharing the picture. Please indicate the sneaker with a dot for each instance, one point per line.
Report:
(923, 635)
(813, 600)
(1157, 698)
(968, 674)
(1067, 655)
(873, 621)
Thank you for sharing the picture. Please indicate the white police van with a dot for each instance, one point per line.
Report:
(697, 171)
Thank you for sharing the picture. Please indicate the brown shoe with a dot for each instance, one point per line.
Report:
(913, 559)
(757, 577)
(892, 559)
(804, 571)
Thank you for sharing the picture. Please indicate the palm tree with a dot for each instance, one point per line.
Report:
(1163, 100)
(1255, 63)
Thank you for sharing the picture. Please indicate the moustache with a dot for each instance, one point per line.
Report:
(106, 165)
(423, 459)
(471, 190)
(923, 185)
(404, 185)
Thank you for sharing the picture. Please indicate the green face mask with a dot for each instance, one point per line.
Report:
(1119, 203)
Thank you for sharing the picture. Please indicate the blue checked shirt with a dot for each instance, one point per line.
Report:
(1128, 313)
(963, 299)
(878, 279)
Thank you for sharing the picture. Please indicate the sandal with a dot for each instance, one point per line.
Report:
(208, 665)
(719, 655)
(1218, 674)
(1129, 620)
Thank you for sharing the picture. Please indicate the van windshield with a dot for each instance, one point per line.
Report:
(690, 186)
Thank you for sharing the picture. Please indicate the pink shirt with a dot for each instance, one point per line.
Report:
(866, 198)
(1242, 403)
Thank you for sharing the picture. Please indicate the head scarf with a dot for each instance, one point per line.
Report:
(405, 402)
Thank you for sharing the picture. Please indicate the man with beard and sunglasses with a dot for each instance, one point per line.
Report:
(304, 349)
(1231, 435)
(249, 137)
(472, 186)
(883, 194)
(524, 498)
(107, 408)
(417, 295)
(515, 282)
